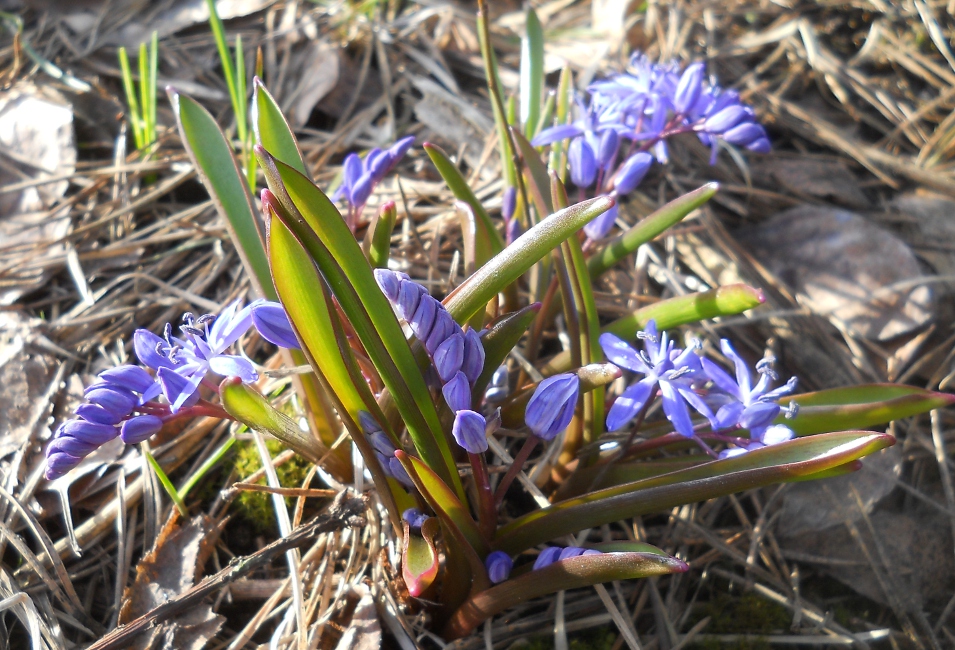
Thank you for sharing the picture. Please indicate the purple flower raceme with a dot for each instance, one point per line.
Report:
(384, 449)
(361, 175)
(458, 356)
(552, 405)
(499, 565)
(663, 366)
(122, 402)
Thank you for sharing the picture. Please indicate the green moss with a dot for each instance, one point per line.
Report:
(256, 507)
(601, 638)
(743, 614)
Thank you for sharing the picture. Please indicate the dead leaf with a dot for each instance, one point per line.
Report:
(843, 267)
(821, 178)
(364, 630)
(25, 376)
(169, 569)
(318, 64)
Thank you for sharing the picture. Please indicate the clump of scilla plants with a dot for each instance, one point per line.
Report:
(424, 386)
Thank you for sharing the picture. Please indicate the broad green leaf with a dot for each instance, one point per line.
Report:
(444, 502)
(601, 476)
(860, 407)
(783, 462)
(725, 301)
(500, 339)
(648, 228)
(272, 130)
(488, 241)
(377, 242)
(250, 408)
(318, 226)
(572, 573)
(532, 73)
(218, 170)
(419, 558)
(557, 162)
(504, 268)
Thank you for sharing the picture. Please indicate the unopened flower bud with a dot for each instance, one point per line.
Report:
(689, 87)
(423, 320)
(552, 405)
(583, 164)
(139, 428)
(509, 203)
(744, 134)
(98, 414)
(473, 364)
(547, 557)
(408, 298)
(457, 393)
(444, 326)
(272, 323)
(607, 148)
(499, 565)
(725, 119)
(389, 283)
(632, 172)
(469, 431)
(114, 399)
(131, 377)
(91, 432)
(449, 356)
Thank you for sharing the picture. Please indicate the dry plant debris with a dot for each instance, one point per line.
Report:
(97, 240)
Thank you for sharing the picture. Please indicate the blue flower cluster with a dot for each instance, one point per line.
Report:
(123, 401)
(684, 379)
(458, 356)
(384, 449)
(553, 554)
(632, 115)
(361, 175)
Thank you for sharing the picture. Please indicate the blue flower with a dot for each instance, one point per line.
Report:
(272, 323)
(552, 405)
(662, 365)
(360, 175)
(201, 350)
(553, 554)
(499, 565)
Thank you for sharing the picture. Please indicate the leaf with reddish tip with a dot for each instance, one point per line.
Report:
(572, 573)
(861, 406)
(250, 408)
(504, 268)
(783, 462)
(419, 558)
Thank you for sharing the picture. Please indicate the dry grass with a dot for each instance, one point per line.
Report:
(865, 83)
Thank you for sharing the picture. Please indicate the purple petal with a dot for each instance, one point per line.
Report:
(621, 354)
(351, 172)
(409, 295)
(744, 134)
(398, 150)
(380, 442)
(758, 414)
(444, 326)
(449, 356)
(145, 344)
(362, 190)
(721, 378)
(91, 432)
(114, 399)
(626, 407)
(743, 378)
(556, 133)
(601, 225)
(760, 145)
(674, 407)
(137, 429)
(607, 148)
(785, 389)
(469, 431)
(509, 203)
(689, 88)
(99, 415)
(499, 565)
(424, 316)
(272, 323)
(399, 472)
(547, 557)
(76, 447)
(131, 377)
(473, 363)
(632, 172)
(552, 405)
(569, 552)
(228, 365)
(727, 417)
(583, 164)
(700, 405)
(58, 464)
(389, 282)
(725, 119)
(178, 390)
(367, 422)
(457, 393)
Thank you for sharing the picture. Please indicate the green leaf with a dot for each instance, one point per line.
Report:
(783, 462)
(496, 91)
(419, 558)
(377, 242)
(537, 178)
(648, 228)
(725, 301)
(473, 294)
(861, 406)
(572, 573)
(318, 226)
(499, 340)
(488, 241)
(600, 476)
(218, 170)
(272, 130)
(557, 162)
(532, 73)
(250, 408)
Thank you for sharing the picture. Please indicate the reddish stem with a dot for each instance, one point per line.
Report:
(515, 467)
(487, 514)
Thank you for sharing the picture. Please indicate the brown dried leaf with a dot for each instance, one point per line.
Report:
(843, 267)
(170, 568)
(826, 179)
